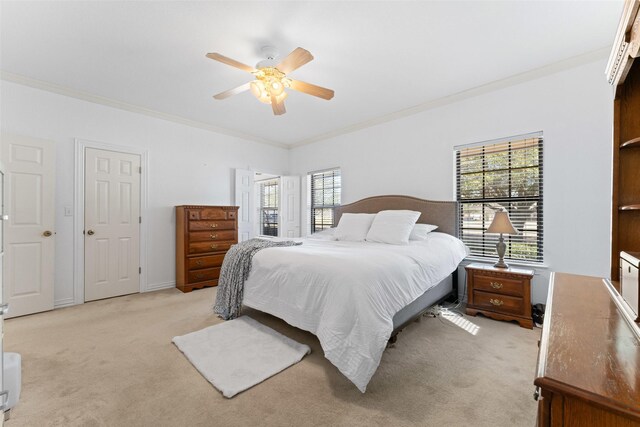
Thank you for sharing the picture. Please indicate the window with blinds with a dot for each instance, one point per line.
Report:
(325, 194)
(269, 197)
(502, 174)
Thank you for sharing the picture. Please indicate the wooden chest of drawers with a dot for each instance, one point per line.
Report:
(204, 234)
(500, 293)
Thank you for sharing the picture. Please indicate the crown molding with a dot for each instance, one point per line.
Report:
(536, 73)
(109, 102)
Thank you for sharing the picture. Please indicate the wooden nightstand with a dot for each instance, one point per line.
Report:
(500, 293)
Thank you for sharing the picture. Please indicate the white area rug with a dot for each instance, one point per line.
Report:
(240, 353)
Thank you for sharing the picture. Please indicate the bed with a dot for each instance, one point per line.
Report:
(356, 296)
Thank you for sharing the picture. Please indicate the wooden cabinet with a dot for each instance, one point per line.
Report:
(203, 236)
(623, 72)
(588, 370)
(500, 293)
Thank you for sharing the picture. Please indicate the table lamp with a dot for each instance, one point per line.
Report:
(501, 224)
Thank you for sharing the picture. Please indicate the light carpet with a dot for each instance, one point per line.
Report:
(112, 363)
(237, 354)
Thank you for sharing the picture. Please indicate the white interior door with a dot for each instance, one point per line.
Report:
(289, 206)
(111, 224)
(29, 230)
(244, 198)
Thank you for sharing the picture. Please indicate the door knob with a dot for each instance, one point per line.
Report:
(47, 233)
(91, 232)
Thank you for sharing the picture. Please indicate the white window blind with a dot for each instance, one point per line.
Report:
(326, 191)
(269, 196)
(502, 174)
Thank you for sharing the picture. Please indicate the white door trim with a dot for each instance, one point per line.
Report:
(78, 214)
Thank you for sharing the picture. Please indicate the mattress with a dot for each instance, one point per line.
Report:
(347, 293)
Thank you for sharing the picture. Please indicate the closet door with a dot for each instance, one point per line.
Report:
(112, 224)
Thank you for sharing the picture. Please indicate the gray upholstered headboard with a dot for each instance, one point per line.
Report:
(443, 214)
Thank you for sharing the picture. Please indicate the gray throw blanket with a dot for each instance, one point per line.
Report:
(235, 271)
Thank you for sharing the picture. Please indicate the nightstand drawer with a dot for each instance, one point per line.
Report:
(498, 285)
(498, 302)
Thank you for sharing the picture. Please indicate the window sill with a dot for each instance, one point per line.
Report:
(470, 259)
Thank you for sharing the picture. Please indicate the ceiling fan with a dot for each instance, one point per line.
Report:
(271, 78)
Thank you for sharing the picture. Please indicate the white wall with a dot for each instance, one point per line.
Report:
(414, 156)
(186, 166)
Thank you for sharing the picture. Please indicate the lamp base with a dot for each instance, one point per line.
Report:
(501, 248)
(501, 264)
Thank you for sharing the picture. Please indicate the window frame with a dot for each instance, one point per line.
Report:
(486, 251)
(314, 227)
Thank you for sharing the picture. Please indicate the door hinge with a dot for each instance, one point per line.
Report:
(139, 270)
(139, 220)
(140, 169)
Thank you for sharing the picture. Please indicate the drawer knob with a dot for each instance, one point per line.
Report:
(214, 246)
(496, 302)
(213, 236)
(214, 225)
(496, 285)
(199, 262)
(199, 276)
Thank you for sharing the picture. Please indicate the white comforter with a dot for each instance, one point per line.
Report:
(346, 293)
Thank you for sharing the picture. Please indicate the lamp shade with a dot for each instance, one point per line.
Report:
(501, 224)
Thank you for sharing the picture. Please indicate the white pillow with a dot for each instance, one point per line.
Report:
(393, 227)
(353, 227)
(421, 231)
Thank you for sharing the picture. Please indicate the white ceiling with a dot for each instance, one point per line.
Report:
(379, 57)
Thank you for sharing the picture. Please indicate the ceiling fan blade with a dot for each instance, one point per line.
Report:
(278, 107)
(221, 58)
(313, 90)
(295, 60)
(234, 91)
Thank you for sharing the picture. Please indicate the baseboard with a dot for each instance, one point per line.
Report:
(67, 302)
(159, 286)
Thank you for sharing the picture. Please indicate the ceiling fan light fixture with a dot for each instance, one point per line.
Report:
(276, 87)
(257, 88)
(260, 91)
(271, 78)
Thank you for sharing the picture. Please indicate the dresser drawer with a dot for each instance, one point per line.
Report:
(207, 236)
(203, 275)
(204, 247)
(211, 225)
(213, 214)
(498, 302)
(200, 262)
(204, 214)
(498, 285)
